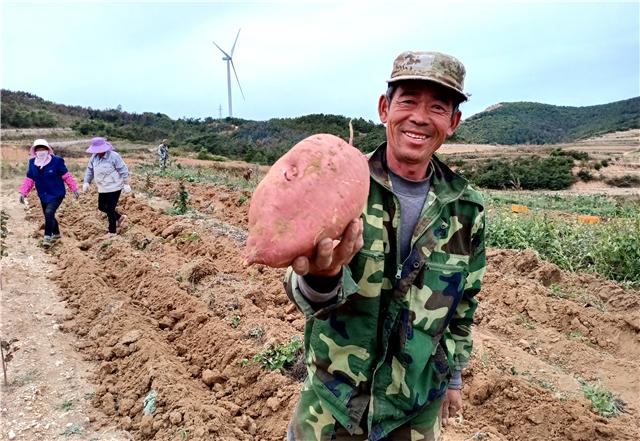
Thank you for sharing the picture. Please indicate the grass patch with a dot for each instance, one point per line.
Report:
(603, 401)
(279, 356)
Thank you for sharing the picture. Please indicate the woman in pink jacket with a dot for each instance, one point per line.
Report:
(48, 174)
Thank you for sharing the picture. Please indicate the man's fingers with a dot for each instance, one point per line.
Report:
(445, 414)
(349, 245)
(324, 254)
(301, 265)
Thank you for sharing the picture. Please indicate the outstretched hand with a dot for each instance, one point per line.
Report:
(331, 255)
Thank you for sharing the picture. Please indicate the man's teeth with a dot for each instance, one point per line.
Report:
(415, 135)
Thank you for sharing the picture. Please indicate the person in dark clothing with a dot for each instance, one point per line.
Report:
(48, 173)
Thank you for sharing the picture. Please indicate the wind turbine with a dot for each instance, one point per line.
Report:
(229, 59)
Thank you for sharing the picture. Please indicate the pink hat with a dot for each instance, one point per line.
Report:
(39, 143)
(99, 145)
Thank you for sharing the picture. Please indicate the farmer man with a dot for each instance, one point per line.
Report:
(163, 154)
(389, 309)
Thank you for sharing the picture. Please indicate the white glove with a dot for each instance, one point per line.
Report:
(126, 188)
(85, 187)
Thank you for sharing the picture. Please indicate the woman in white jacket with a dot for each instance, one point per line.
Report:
(111, 174)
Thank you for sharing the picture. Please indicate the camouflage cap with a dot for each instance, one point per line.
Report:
(430, 66)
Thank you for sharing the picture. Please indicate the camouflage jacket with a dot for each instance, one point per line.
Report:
(397, 329)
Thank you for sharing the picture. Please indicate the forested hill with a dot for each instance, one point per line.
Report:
(535, 123)
(265, 141)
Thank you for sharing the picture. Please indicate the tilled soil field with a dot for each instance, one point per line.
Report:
(172, 320)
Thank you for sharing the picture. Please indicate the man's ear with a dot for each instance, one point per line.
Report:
(455, 120)
(383, 107)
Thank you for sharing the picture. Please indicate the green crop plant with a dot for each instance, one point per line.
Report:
(603, 401)
(596, 204)
(67, 405)
(181, 200)
(278, 356)
(611, 249)
(234, 321)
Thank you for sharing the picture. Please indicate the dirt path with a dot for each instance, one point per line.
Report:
(49, 391)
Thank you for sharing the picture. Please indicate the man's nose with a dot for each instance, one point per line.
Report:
(420, 115)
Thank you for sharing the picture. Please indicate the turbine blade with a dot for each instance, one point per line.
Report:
(236, 74)
(234, 43)
(221, 49)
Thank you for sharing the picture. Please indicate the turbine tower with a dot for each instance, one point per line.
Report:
(229, 59)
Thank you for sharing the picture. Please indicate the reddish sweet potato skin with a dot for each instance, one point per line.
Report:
(312, 192)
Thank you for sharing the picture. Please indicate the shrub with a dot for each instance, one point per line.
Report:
(526, 173)
(584, 175)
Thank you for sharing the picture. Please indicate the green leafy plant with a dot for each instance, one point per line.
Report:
(278, 356)
(256, 332)
(241, 201)
(603, 401)
(611, 249)
(234, 321)
(72, 430)
(181, 200)
(67, 405)
(183, 432)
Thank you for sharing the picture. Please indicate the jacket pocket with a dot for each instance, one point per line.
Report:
(367, 270)
(433, 304)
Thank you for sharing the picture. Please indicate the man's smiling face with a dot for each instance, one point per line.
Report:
(419, 118)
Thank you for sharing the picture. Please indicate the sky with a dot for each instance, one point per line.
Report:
(297, 58)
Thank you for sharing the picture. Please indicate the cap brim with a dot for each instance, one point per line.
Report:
(461, 94)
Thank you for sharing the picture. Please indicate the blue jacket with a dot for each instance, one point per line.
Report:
(48, 180)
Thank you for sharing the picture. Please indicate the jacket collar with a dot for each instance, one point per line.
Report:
(445, 183)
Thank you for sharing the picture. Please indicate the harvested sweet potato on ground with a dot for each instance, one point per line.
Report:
(312, 192)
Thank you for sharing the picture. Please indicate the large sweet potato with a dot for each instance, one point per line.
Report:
(311, 192)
